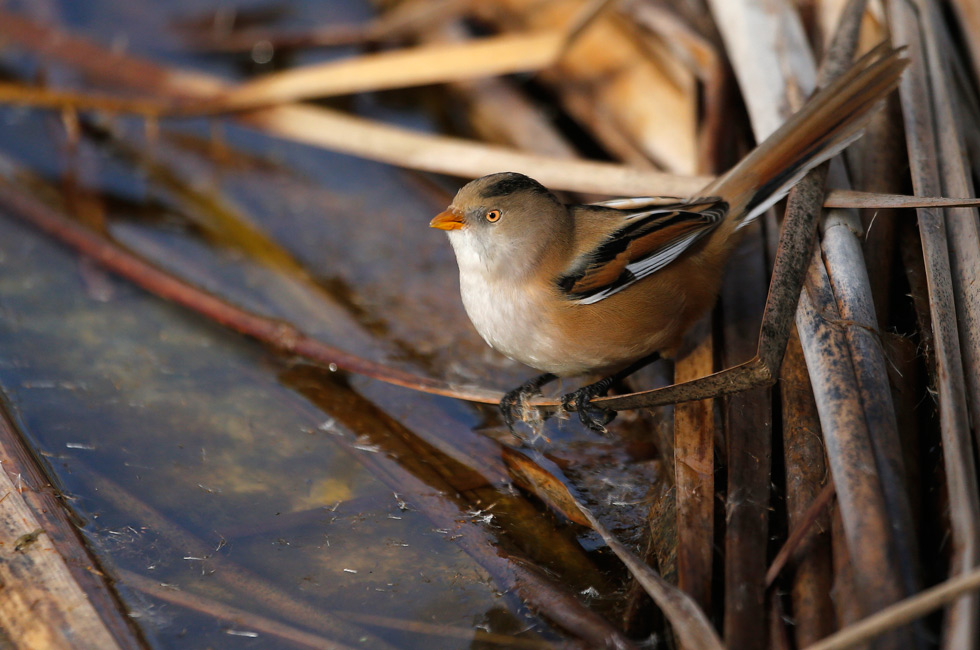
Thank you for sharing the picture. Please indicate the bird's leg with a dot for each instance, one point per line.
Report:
(514, 399)
(789, 271)
(595, 417)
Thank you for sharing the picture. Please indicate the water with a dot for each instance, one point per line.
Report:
(203, 462)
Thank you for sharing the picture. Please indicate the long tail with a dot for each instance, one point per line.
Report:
(830, 120)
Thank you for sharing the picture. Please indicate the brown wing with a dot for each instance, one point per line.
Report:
(648, 240)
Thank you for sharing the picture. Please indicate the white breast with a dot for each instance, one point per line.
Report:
(508, 314)
(506, 318)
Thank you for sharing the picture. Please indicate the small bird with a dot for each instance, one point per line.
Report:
(608, 287)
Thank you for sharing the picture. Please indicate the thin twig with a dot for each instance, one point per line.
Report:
(799, 533)
(901, 613)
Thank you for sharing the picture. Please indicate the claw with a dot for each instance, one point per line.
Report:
(593, 417)
(512, 403)
(507, 405)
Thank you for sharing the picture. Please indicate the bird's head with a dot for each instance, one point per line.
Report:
(503, 223)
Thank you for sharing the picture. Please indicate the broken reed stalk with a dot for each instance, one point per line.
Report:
(807, 481)
(748, 432)
(383, 142)
(498, 112)
(343, 132)
(55, 575)
(636, 105)
(694, 474)
(875, 588)
(962, 625)
(962, 227)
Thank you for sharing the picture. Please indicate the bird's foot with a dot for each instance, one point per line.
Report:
(514, 404)
(593, 417)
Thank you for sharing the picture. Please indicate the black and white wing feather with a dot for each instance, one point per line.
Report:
(654, 233)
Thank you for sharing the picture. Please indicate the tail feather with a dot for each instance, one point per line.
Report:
(829, 121)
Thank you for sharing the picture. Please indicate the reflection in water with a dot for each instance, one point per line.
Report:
(216, 481)
(194, 424)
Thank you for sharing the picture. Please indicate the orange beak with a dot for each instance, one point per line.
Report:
(447, 220)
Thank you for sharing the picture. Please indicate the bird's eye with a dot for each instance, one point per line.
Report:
(493, 216)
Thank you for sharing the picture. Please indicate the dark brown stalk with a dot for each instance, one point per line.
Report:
(880, 156)
(962, 625)
(694, 421)
(748, 429)
(910, 253)
(847, 605)
(806, 471)
(962, 227)
(694, 475)
(806, 526)
(778, 634)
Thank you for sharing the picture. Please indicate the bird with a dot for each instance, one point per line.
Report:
(605, 288)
